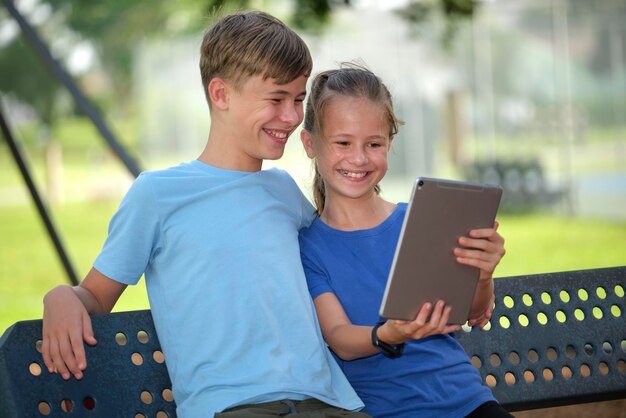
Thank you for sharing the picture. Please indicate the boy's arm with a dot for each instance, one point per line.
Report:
(66, 322)
(350, 341)
(483, 249)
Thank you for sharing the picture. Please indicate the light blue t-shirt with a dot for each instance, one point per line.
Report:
(434, 377)
(220, 253)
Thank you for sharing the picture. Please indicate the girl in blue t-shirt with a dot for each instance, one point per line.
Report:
(398, 368)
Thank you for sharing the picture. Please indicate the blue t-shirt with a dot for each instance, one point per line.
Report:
(434, 376)
(220, 253)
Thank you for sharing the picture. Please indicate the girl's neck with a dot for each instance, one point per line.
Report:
(353, 215)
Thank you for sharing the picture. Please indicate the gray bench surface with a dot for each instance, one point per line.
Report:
(554, 339)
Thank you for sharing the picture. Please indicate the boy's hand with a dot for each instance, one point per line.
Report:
(66, 324)
(483, 249)
(429, 321)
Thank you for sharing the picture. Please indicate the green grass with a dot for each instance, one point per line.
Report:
(29, 266)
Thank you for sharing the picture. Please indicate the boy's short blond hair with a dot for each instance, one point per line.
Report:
(246, 44)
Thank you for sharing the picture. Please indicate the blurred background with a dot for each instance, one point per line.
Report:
(530, 94)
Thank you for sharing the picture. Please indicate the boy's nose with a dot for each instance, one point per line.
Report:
(291, 114)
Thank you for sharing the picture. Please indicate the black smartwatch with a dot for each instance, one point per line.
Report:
(388, 350)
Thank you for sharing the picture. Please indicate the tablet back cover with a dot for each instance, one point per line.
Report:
(424, 266)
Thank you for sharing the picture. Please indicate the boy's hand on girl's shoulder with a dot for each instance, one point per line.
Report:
(66, 324)
(483, 249)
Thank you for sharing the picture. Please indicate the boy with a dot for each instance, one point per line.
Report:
(217, 239)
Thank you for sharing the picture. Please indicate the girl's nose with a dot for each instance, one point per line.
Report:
(358, 156)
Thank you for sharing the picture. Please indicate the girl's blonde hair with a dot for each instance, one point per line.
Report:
(351, 80)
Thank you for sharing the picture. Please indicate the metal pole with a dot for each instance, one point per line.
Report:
(81, 100)
(41, 206)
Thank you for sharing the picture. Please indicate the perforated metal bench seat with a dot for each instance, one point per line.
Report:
(554, 339)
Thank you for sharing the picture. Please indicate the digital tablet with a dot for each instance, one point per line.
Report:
(424, 268)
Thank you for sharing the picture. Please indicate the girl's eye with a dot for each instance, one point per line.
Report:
(374, 145)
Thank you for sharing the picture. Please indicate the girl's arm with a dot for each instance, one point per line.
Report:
(350, 341)
(483, 249)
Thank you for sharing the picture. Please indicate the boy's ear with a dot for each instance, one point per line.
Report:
(307, 141)
(218, 93)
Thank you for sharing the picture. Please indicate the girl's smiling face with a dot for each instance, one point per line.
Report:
(351, 155)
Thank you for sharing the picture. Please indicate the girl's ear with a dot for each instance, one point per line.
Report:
(218, 93)
(307, 141)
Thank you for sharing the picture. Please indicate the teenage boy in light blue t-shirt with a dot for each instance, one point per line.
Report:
(217, 240)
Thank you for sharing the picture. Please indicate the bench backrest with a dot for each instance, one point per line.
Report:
(554, 339)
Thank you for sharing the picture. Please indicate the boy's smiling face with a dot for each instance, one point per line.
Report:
(261, 117)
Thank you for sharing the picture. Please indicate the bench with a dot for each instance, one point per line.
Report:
(554, 339)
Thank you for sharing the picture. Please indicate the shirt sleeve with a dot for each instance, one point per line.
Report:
(132, 236)
(316, 278)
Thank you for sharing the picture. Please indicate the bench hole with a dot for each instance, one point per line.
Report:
(142, 337)
(588, 349)
(140, 415)
(120, 338)
(623, 345)
(162, 414)
(619, 291)
(476, 362)
(146, 397)
(533, 356)
(551, 353)
(158, 357)
(38, 345)
(490, 380)
(514, 358)
(487, 327)
(44, 408)
(508, 302)
(603, 367)
(529, 376)
(583, 295)
(564, 296)
(570, 351)
(585, 370)
(546, 298)
(67, 405)
(466, 328)
(566, 372)
(523, 320)
(494, 359)
(34, 369)
(621, 366)
(560, 316)
(616, 311)
(89, 403)
(527, 299)
(601, 292)
(579, 314)
(607, 347)
(542, 318)
(504, 322)
(548, 374)
(597, 312)
(137, 359)
(509, 378)
(167, 395)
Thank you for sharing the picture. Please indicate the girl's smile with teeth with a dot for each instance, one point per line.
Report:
(353, 174)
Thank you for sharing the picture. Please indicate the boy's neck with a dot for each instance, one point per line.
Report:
(219, 154)
(353, 215)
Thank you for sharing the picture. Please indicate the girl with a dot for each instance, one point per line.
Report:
(398, 368)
